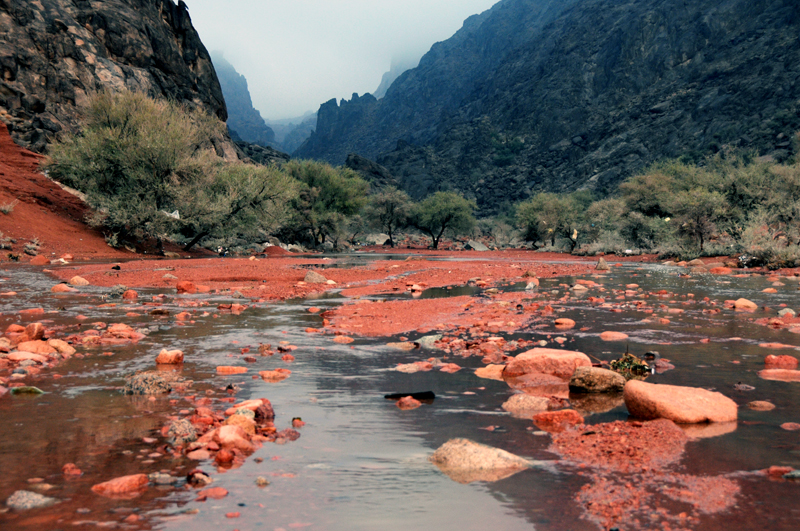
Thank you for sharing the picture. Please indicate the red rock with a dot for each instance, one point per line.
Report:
(231, 436)
(37, 347)
(778, 471)
(3, 391)
(564, 323)
(407, 403)
(343, 339)
(62, 288)
(782, 362)
(39, 260)
(184, 286)
(169, 357)
(237, 514)
(449, 368)
(683, 405)
(224, 457)
(35, 331)
(15, 329)
(790, 426)
(31, 311)
(298, 423)
(78, 281)
(130, 295)
(782, 375)
(314, 309)
(557, 421)
(720, 271)
(122, 486)
(776, 345)
(231, 370)
(71, 470)
(761, 405)
(613, 336)
(559, 363)
(287, 358)
(215, 493)
(491, 372)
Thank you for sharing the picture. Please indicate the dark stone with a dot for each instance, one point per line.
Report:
(181, 432)
(146, 383)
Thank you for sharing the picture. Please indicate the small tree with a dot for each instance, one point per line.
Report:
(388, 211)
(547, 216)
(443, 211)
(326, 198)
(696, 213)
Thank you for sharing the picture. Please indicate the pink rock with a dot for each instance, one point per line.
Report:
(31, 311)
(776, 345)
(613, 336)
(62, 347)
(790, 426)
(564, 323)
(782, 375)
(122, 486)
(22, 356)
(232, 436)
(450, 368)
(744, 305)
(224, 369)
(169, 357)
(39, 260)
(62, 288)
(37, 347)
(215, 493)
(130, 295)
(720, 271)
(683, 405)
(559, 363)
(3, 391)
(199, 455)
(78, 281)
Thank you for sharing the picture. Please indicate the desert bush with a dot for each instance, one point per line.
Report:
(389, 211)
(327, 196)
(548, 216)
(140, 164)
(443, 211)
(8, 208)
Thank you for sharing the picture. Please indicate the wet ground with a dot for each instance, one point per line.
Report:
(361, 462)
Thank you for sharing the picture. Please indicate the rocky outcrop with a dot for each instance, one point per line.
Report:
(56, 54)
(560, 95)
(376, 175)
(242, 116)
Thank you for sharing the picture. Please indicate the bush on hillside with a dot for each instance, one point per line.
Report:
(140, 164)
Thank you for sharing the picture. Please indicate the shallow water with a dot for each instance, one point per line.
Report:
(361, 463)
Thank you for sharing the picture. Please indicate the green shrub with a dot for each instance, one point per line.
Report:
(443, 211)
(140, 163)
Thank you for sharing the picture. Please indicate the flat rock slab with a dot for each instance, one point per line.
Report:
(526, 406)
(596, 380)
(683, 405)
(781, 375)
(465, 461)
(559, 363)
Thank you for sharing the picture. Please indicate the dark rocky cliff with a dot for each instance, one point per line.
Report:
(539, 95)
(242, 116)
(55, 54)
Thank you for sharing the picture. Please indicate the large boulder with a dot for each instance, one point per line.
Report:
(559, 363)
(465, 461)
(683, 405)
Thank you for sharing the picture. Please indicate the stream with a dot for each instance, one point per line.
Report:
(361, 463)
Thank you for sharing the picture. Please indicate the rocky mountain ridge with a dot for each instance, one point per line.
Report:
(544, 95)
(56, 54)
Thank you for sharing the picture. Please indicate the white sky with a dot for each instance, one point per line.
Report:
(298, 54)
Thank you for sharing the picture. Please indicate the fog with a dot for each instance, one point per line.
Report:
(297, 54)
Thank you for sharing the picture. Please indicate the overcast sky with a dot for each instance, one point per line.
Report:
(297, 54)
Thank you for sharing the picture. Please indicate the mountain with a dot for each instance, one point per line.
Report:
(56, 54)
(397, 68)
(290, 133)
(560, 95)
(242, 117)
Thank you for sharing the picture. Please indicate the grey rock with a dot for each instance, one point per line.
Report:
(787, 312)
(465, 461)
(23, 500)
(146, 383)
(472, 245)
(181, 432)
(794, 474)
(524, 405)
(312, 277)
(428, 341)
(602, 265)
(596, 380)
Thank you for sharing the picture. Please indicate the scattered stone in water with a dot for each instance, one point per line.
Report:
(181, 432)
(596, 380)
(743, 387)
(631, 367)
(23, 500)
(465, 461)
(116, 291)
(794, 474)
(262, 481)
(146, 383)
(312, 277)
(761, 405)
